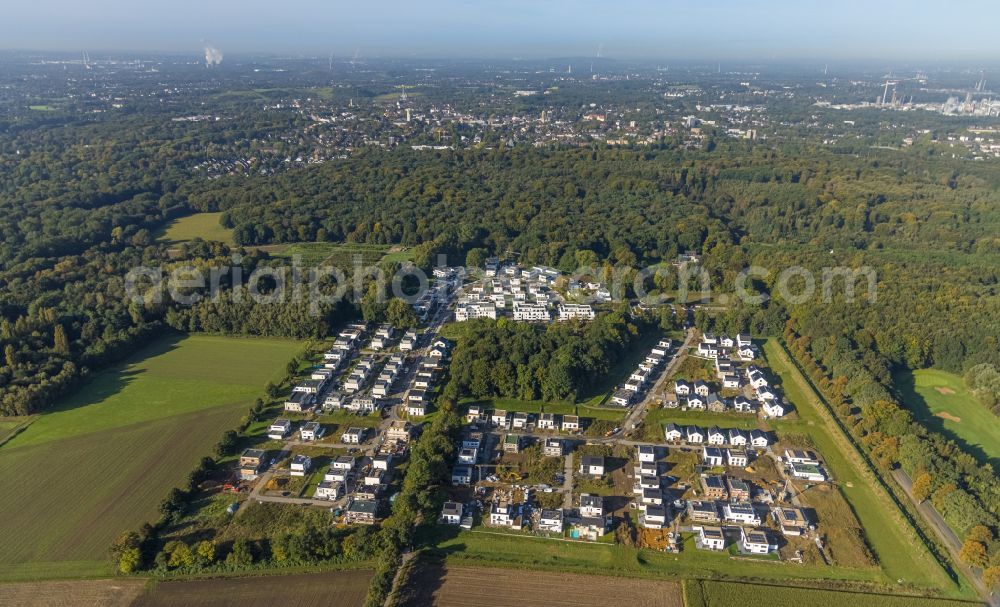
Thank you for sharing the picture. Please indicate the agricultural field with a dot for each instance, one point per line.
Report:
(79, 593)
(726, 594)
(447, 586)
(200, 225)
(940, 401)
(102, 460)
(340, 588)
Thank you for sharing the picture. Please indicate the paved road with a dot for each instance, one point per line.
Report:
(635, 414)
(945, 533)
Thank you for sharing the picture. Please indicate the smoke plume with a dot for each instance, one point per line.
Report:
(213, 56)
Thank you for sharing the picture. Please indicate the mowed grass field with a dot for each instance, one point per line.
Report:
(480, 548)
(328, 589)
(940, 401)
(900, 553)
(726, 594)
(200, 225)
(101, 461)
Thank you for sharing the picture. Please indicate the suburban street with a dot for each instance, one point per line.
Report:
(634, 416)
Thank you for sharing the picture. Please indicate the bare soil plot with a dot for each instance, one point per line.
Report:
(75, 593)
(433, 584)
(331, 588)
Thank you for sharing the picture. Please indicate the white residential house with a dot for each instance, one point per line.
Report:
(694, 435)
(808, 472)
(622, 398)
(381, 389)
(502, 515)
(451, 513)
(279, 429)
(737, 438)
(475, 411)
(468, 456)
(716, 436)
(682, 388)
(731, 381)
(311, 431)
(743, 339)
(353, 436)
(520, 421)
(756, 541)
(551, 521)
(673, 432)
(756, 377)
(772, 408)
(740, 514)
(300, 465)
(737, 458)
(343, 462)
(568, 311)
(646, 453)
(711, 456)
(695, 403)
(329, 490)
(531, 312)
(499, 418)
(546, 421)
(382, 461)
(570, 423)
(759, 439)
(799, 456)
(592, 465)
(654, 516)
(591, 505)
(701, 389)
(744, 405)
(374, 477)
(552, 447)
(711, 538)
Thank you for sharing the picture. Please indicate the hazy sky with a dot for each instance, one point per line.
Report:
(782, 29)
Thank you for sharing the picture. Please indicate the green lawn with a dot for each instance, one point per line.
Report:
(901, 554)
(101, 461)
(482, 547)
(940, 401)
(200, 225)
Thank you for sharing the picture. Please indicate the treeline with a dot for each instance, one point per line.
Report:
(965, 492)
(528, 361)
(984, 382)
(418, 502)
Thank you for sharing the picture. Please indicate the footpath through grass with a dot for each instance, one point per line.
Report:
(103, 459)
(901, 554)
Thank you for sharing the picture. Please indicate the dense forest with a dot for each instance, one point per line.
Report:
(554, 362)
